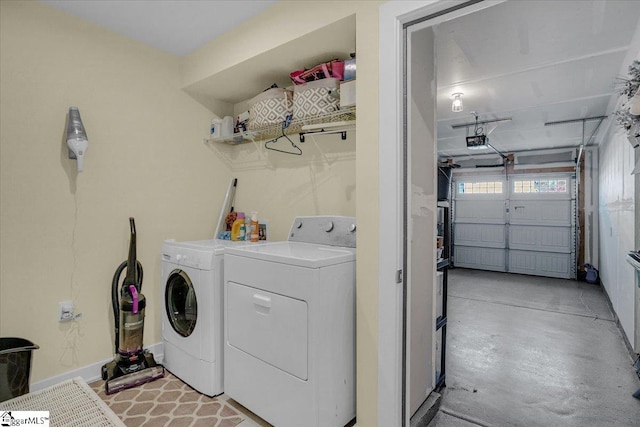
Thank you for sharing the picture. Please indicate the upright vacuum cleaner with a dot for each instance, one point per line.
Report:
(132, 365)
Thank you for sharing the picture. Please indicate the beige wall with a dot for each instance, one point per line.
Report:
(63, 234)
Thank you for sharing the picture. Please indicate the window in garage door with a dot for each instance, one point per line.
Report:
(521, 224)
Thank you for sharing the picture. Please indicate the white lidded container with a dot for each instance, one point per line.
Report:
(227, 126)
(216, 125)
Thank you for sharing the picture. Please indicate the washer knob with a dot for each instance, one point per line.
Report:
(329, 226)
(181, 257)
(299, 224)
(352, 228)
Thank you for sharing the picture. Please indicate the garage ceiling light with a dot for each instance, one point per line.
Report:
(456, 105)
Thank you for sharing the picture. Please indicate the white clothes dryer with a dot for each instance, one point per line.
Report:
(290, 325)
(192, 331)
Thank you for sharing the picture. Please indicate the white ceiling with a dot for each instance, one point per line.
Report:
(174, 26)
(532, 61)
(536, 62)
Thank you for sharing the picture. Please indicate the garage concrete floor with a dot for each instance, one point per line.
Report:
(530, 351)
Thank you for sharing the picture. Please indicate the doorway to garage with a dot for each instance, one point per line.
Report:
(535, 63)
(525, 348)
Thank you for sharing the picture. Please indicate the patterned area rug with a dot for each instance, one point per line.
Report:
(70, 403)
(168, 402)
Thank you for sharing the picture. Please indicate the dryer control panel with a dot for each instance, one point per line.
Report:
(324, 230)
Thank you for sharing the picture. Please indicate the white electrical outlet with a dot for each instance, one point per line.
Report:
(65, 311)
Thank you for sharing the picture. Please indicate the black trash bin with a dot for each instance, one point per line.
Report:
(15, 367)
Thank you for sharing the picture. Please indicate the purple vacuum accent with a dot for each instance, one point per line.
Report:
(134, 295)
(129, 353)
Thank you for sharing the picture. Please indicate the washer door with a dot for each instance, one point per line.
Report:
(181, 303)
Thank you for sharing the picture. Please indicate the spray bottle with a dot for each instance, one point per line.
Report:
(238, 228)
(255, 228)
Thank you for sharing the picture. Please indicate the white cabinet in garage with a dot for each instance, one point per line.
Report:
(521, 224)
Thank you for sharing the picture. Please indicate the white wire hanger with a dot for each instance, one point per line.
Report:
(285, 125)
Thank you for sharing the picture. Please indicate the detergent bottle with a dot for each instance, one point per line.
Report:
(238, 228)
(255, 228)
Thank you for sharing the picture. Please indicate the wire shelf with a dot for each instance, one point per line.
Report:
(275, 130)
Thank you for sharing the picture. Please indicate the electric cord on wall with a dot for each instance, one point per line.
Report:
(72, 283)
(73, 333)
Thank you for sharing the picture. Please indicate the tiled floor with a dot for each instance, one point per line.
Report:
(250, 419)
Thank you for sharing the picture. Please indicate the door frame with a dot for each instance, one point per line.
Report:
(394, 18)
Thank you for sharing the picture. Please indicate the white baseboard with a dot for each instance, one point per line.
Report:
(91, 372)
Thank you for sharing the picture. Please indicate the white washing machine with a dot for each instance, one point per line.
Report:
(192, 332)
(290, 325)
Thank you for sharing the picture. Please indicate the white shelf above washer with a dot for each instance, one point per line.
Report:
(338, 121)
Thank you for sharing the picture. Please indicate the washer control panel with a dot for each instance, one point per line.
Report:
(180, 254)
(324, 230)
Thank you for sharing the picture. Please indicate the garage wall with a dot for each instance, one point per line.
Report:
(617, 224)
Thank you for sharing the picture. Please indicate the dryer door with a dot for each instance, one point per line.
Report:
(270, 327)
(181, 303)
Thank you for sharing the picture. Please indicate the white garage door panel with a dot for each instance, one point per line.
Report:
(480, 258)
(541, 212)
(486, 235)
(540, 263)
(544, 239)
(527, 225)
(480, 211)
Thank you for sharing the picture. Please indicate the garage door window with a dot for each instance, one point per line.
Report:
(488, 187)
(540, 186)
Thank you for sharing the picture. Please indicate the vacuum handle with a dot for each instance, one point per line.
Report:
(132, 272)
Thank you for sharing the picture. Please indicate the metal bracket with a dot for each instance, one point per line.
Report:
(343, 133)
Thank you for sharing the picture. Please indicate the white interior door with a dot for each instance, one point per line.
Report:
(421, 193)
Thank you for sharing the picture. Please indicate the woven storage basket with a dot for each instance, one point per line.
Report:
(270, 107)
(315, 98)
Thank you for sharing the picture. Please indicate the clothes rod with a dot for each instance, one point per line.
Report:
(327, 125)
(342, 132)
